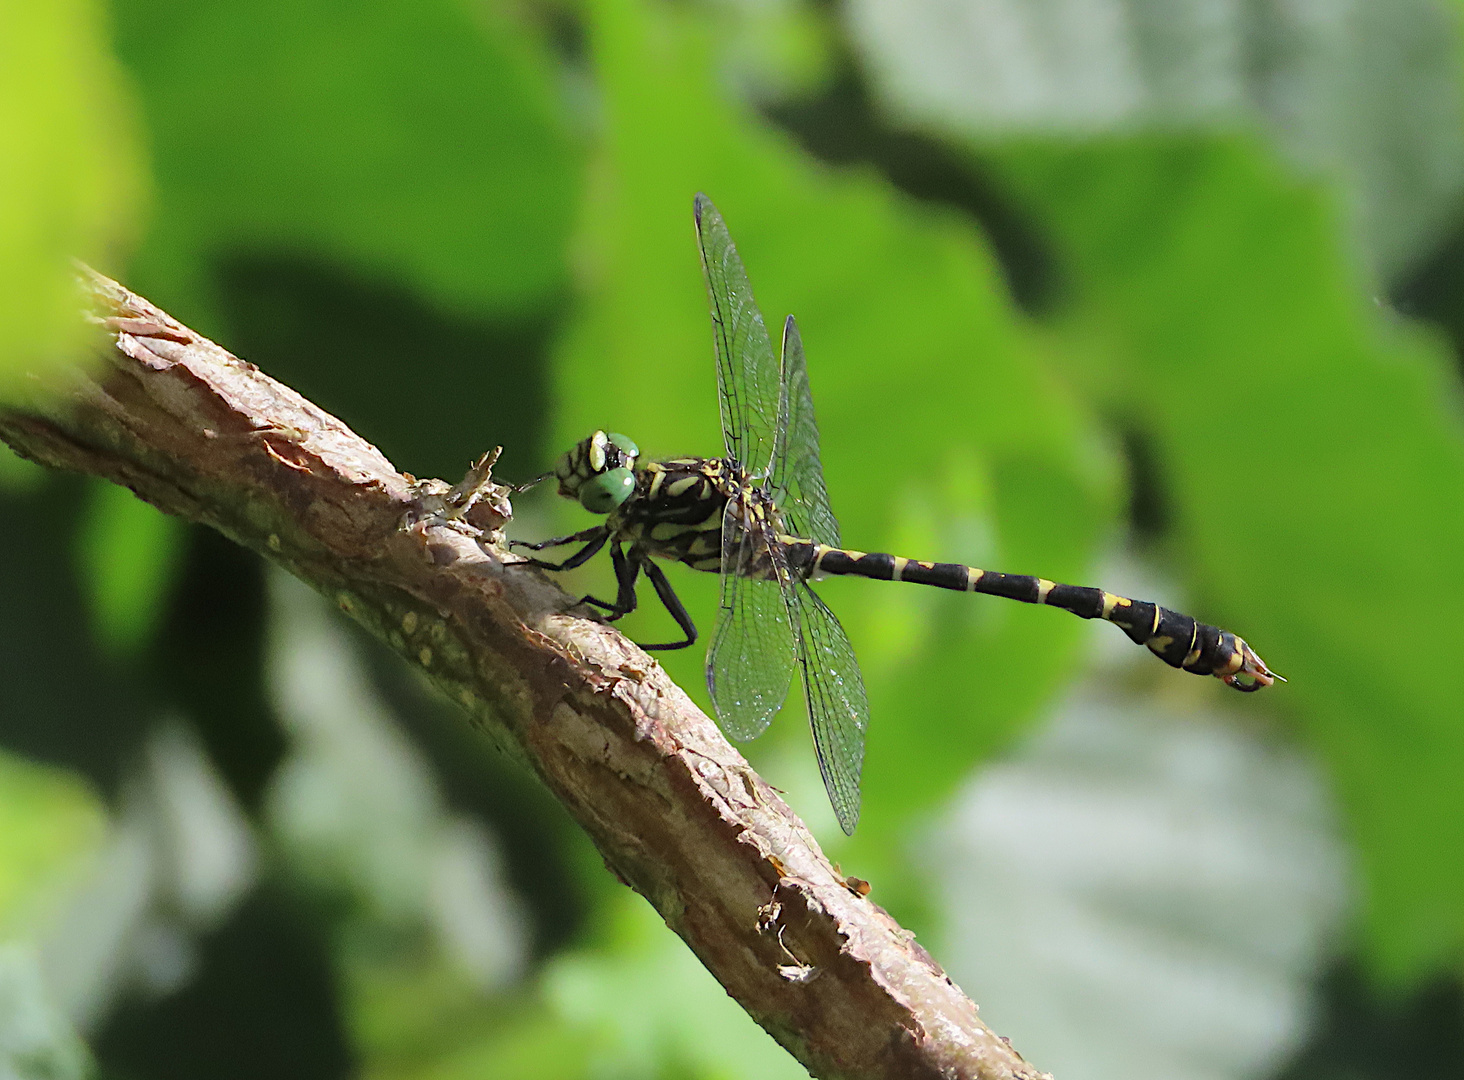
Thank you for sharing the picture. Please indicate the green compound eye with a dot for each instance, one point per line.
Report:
(628, 448)
(603, 493)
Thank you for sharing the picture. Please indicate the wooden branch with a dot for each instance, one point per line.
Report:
(676, 812)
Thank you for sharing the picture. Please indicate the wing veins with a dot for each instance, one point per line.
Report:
(749, 376)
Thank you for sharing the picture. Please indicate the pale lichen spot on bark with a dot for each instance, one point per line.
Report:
(259, 514)
(452, 650)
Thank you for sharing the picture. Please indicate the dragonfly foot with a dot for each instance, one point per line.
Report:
(603, 606)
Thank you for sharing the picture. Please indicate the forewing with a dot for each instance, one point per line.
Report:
(798, 480)
(750, 662)
(748, 376)
(837, 706)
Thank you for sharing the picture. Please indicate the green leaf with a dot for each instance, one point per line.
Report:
(1144, 888)
(70, 177)
(1313, 453)
(128, 552)
(16, 473)
(50, 827)
(420, 143)
(1365, 94)
(942, 430)
(647, 1007)
(37, 1041)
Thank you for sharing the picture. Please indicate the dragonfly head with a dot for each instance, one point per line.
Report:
(598, 472)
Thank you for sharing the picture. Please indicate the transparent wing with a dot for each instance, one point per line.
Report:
(748, 376)
(837, 707)
(798, 481)
(750, 662)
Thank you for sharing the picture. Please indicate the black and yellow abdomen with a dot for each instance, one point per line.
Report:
(1175, 638)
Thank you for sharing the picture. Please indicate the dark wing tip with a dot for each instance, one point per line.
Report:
(700, 205)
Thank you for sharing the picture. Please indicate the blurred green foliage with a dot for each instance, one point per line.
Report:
(1313, 453)
(51, 827)
(71, 180)
(127, 554)
(416, 143)
(49, 823)
(457, 224)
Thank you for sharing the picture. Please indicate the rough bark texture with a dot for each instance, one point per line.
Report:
(674, 809)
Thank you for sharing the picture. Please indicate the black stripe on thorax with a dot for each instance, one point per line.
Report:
(674, 491)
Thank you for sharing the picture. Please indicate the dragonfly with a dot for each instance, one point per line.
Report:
(759, 516)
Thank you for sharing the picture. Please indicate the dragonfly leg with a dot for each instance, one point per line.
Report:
(673, 605)
(592, 533)
(625, 575)
(530, 485)
(626, 571)
(596, 540)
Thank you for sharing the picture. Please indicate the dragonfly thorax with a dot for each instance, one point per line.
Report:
(683, 509)
(676, 511)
